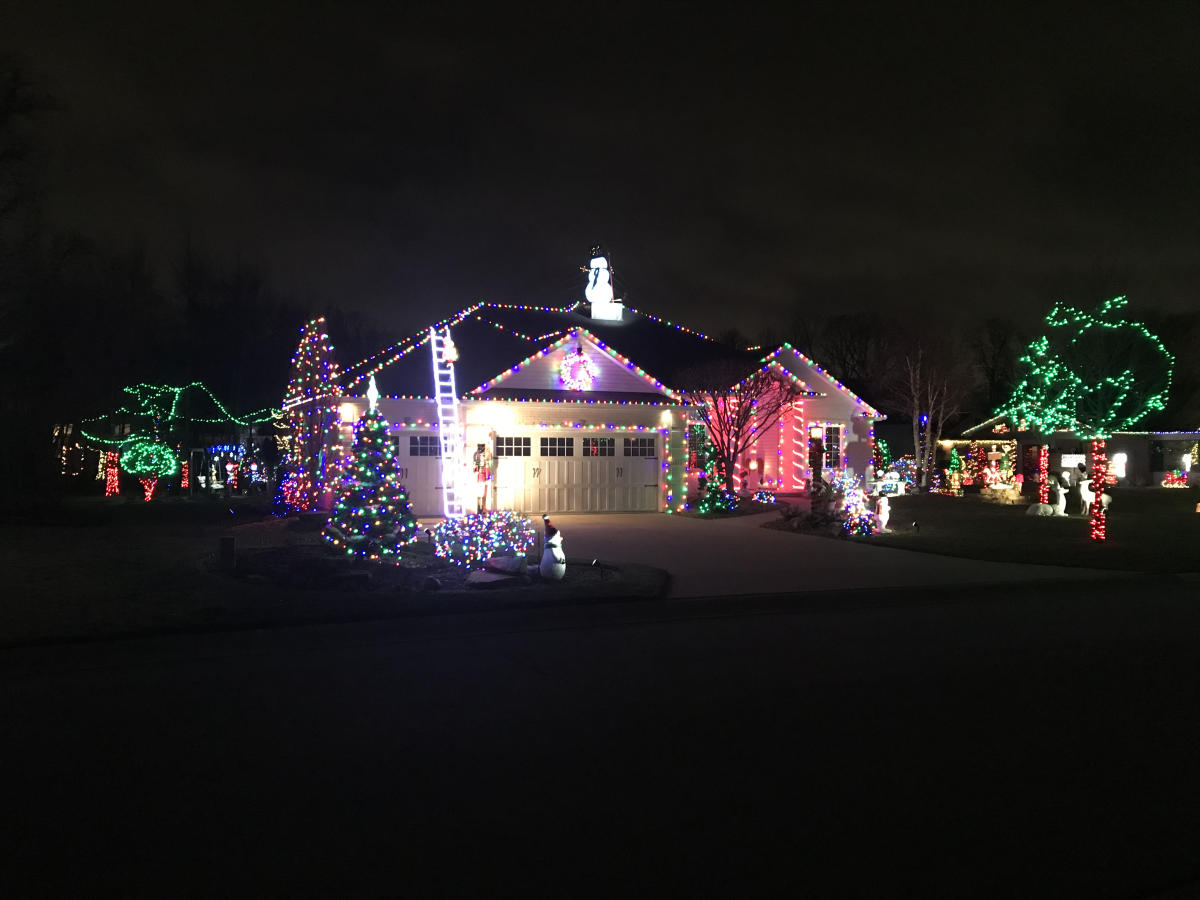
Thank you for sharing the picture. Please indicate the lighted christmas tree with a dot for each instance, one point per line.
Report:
(1092, 373)
(371, 517)
(308, 404)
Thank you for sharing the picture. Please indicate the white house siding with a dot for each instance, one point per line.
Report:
(535, 484)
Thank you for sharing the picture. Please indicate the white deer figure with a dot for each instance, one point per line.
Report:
(1086, 494)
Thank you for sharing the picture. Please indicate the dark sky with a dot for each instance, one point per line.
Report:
(412, 160)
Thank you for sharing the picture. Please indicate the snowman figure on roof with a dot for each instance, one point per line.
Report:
(599, 290)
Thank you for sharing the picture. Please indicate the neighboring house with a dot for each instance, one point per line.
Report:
(583, 414)
(1137, 458)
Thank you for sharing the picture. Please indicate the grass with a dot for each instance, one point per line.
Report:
(94, 568)
(1149, 530)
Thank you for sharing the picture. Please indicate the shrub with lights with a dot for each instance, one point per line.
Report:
(764, 496)
(1092, 373)
(148, 461)
(371, 518)
(859, 519)
(475, 537)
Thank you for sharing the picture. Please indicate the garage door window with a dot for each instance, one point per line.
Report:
(423, 445)
(512, 446)
(551, 446)
(599, 447)
(643, 446)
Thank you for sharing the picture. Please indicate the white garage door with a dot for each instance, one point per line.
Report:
(566, 473)
(419, 462)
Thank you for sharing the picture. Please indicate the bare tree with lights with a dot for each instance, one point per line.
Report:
(735, 407)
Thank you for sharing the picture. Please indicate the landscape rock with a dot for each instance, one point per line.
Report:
(429, 583)
(1040, 509)
(506, 565)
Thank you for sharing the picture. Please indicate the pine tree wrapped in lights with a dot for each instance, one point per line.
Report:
(308, 404)
(371, 518)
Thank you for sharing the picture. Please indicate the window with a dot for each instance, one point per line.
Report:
(512, 446)
(833, 447)
(557, 446)
(642, 446)
(424, 445)
(599, 447)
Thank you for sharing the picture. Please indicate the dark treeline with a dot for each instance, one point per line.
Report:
(81, 319)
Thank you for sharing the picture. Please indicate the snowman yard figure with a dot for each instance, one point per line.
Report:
(883, 511)
(1059, 489)
(554, 562)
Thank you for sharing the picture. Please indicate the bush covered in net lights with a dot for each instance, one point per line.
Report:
(477, 536)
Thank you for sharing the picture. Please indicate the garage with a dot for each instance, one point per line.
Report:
(560, 472)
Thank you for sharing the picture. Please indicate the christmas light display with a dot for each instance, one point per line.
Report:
(311, 415)
(1098, 514)
(160, 407)
(1092, 373)
(576, 371)
(475, 537)
(185, 480)
(1176, 479)
(574, 336)
(112, 473)
(764, 496)
(1044, 474)
(953, 486)
(371, 517)
(881, 456)
(149, 461)
(858, 518)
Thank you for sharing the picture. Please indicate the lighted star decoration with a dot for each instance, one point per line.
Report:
(577, 371)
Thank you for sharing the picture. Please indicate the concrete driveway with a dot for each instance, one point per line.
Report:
(709, 557)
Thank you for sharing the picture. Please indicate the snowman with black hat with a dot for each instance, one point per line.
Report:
(554, 561)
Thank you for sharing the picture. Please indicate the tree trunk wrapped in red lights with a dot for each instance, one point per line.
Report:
(1099, 524)
(1044, 475)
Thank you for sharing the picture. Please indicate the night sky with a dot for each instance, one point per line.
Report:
(410, 163)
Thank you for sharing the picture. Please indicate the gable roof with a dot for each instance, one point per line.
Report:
(538, 376)
(491, 338)
(495, 340)
(815, 378)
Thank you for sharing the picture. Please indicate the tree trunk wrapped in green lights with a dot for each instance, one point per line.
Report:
(1092, 373)
(371, 518)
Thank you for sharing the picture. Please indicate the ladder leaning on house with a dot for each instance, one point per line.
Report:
(445, 395)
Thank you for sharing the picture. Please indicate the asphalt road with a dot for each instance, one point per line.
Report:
(1014, 742)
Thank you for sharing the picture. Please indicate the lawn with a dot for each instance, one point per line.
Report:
(94, 568)
(1149, 530)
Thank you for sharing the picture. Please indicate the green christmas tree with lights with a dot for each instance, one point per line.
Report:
(372, 518)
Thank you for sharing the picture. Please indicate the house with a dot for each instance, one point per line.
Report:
(578, 409)
(1136, 458)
